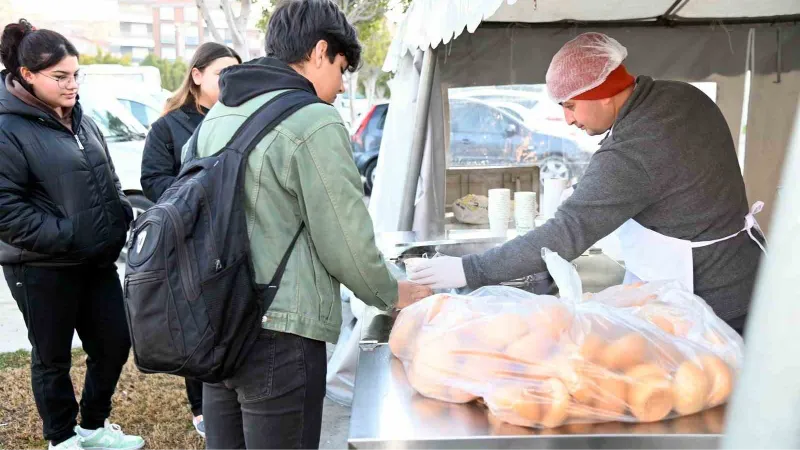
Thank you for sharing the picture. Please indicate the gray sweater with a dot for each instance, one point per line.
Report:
(670, 164)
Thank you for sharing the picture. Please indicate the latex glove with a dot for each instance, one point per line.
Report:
(409, 293)
(443, 272)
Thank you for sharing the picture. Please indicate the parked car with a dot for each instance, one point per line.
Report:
(367, 143)
(125, 137)
(119, 75)
(144, 106)
(143, 102)
(527, 98)
(480, 135)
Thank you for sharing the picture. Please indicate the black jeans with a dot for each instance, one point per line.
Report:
(194, 392)
(54, 303)
(273, 401)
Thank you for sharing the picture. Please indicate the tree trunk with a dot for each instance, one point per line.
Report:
(380, 90)
(351, 92)
(370, 86)
(242, 49)
(236, 24)
(203, 7)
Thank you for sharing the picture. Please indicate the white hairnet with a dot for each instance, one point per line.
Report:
(583, 64)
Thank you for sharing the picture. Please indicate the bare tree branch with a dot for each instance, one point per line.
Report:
(227, 8)
(201, 5)
(361, 13)
(237, 25)
(244, 16)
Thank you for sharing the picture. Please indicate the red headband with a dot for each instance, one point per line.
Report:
(617, 81)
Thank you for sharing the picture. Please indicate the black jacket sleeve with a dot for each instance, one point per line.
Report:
(22, 224)
(158, 164)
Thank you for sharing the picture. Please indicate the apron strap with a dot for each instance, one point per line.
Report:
(749, 223)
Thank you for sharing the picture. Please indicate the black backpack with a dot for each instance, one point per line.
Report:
(192, 303)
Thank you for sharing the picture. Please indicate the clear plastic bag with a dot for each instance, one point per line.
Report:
(634, 353)
(472, 209)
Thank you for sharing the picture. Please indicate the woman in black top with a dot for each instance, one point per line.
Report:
(63, 222)
(162, 152)
(184, 112)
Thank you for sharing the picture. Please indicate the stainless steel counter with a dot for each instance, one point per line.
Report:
(388, 413)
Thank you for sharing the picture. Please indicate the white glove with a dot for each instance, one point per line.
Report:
(443, 272)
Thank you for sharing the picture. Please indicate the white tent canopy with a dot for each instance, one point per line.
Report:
(512, 41)
(429, 23)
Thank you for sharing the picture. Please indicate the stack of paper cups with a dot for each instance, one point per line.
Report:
(499, 211)
(524, 211)
(551, 197)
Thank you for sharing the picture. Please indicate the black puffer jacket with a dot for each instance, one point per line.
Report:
(61, 202)
(161, 160)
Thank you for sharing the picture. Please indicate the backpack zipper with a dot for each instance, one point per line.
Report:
(217, 261)
(139, 278)
(183, 254)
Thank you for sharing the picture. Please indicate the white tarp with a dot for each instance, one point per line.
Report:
(738, 8)
(542, 11)
(432, 22)
(396, 140)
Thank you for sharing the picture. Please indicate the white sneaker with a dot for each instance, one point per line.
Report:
(110, 437)
(199, 425)
(73, 443)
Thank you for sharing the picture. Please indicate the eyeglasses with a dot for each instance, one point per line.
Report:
(64, 80)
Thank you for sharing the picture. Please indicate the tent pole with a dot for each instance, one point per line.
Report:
(418, 140)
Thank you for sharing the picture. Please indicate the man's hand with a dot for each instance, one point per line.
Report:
(443, 272)
(410, 293)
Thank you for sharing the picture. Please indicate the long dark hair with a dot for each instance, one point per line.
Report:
(22, 45)
(204, 56)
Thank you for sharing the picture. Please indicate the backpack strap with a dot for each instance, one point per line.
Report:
(275, 282)
(267, 117)
(249, 134)
(259, 123)
(191, 154)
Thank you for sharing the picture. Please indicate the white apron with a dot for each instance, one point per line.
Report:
(652, 256)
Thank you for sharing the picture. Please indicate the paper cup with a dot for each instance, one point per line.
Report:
(499, 211)
(524, 211)
(551, 198)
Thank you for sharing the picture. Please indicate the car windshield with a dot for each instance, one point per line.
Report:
(116, 123)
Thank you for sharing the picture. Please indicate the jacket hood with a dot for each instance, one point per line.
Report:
(11, 104)
(243, 82)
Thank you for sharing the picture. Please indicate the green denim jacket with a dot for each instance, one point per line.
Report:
(303, 171)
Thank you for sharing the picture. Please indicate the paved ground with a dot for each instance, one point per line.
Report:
(13, 336)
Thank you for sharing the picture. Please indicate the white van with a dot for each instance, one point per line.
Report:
(123, 75)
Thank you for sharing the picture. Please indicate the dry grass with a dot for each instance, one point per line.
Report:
(153, 406)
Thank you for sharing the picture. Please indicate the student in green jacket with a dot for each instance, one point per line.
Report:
(301, 172)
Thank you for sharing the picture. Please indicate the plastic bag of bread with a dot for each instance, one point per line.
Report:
(635, 353)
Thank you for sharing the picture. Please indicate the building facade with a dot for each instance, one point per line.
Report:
(173, 29)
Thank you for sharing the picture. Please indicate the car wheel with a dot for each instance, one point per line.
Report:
(369, 174)
(140, 204)
(553, 168)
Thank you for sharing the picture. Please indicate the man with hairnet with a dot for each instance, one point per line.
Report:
(665, 178)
